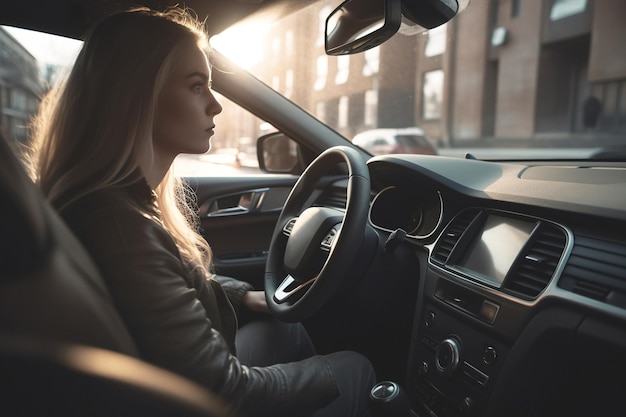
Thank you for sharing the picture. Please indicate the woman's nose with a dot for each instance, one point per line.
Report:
(213, 107)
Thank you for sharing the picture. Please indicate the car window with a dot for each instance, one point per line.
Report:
(32, 62)
(411, 140)
(502, 80)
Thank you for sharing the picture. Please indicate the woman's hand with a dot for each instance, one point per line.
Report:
(255, 301)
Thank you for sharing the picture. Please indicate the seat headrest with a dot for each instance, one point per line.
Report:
(21, 219)
(49, 287)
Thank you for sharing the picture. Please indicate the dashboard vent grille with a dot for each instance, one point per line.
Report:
(595, 269)
(533, 271)
(452, 234)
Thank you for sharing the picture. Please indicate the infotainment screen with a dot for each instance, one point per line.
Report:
(495, 247)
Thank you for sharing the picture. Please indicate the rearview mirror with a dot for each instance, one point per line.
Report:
(432, 13)
(358, 25)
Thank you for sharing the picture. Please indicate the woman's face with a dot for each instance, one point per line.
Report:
(186, 107)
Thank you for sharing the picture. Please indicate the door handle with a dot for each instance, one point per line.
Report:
(236, 204)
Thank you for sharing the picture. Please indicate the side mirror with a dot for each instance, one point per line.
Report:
(279, 154)
(358, 25)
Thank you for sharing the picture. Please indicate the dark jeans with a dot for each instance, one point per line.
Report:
(268, 341)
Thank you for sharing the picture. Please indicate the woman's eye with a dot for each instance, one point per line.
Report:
(200, 87)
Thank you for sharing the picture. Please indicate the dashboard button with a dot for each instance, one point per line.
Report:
(423, 368)
(475, 374)
(447, 356)
(430, 319)
(490, 356)
(430, 342)
(489, 311)
(467, 405)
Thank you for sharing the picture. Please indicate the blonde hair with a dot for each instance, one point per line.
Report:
(94, 128)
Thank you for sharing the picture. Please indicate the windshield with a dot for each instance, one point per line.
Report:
(507, 79)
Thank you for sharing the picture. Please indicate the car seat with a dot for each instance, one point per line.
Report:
(64, 349)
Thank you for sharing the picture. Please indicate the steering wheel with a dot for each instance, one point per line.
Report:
(312, 249)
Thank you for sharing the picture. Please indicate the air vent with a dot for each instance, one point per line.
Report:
(452, 234)
(533, 271)
(595, 269)
(590, 289)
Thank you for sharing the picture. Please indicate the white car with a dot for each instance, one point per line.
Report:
(386, 141)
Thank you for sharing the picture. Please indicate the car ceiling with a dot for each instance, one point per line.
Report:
(71, 18)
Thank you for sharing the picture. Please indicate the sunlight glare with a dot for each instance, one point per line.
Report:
(47, 48)
(242, 44)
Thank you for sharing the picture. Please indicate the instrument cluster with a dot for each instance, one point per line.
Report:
(416, 210)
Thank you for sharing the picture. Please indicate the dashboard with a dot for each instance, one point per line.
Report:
(521, 309)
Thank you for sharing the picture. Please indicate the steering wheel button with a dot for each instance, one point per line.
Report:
(327, 242)
(289, 226)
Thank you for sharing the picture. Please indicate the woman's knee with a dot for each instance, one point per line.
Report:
(351, 363)
(355, 377)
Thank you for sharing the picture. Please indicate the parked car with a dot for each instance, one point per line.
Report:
(385, 141)
(481, 287)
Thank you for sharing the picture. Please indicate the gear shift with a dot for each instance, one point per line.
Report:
(389, 400)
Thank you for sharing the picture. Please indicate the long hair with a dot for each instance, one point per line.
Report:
(94, 129)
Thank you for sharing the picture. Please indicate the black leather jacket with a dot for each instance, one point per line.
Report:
(179, 319)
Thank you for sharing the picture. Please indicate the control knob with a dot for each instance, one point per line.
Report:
(447, 356)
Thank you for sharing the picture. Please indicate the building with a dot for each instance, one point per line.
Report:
(20, 87)
(544, 60)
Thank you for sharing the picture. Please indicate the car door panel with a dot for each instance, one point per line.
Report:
(237, 218)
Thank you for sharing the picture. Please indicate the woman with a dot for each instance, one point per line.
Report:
(103, 145)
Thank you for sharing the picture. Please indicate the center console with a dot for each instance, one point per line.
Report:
(485, 272)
